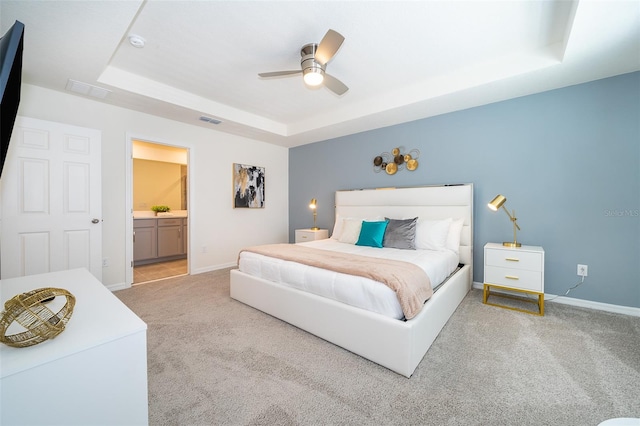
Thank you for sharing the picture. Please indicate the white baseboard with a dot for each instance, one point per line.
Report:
(618, 309)
(116, 287)
(607, 307)
(213, 268)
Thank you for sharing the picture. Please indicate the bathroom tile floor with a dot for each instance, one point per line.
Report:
(157, 271)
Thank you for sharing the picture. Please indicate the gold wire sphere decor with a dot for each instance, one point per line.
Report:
(31, 318)
(395, 161)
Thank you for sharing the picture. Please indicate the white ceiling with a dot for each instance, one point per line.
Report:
(402, 60)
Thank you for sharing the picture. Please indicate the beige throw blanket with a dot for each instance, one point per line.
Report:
(410, 283)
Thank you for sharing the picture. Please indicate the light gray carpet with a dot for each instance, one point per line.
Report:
(214, 361)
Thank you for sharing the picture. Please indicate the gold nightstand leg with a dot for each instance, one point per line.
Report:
(487, 292)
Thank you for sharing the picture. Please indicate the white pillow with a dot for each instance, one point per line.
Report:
(337, 227)
(432, 234)
(453, 238)
(339, 224)
(350, 230)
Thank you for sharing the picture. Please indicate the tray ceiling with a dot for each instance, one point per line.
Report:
(401, 60)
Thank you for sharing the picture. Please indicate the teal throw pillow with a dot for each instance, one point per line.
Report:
(372, 234)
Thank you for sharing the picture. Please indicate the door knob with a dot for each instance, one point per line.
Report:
(95, 221)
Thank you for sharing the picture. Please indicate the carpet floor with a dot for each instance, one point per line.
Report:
(215, 361)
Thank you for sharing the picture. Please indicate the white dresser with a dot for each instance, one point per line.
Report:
(304, 235)
(518, 269)
(94, 372)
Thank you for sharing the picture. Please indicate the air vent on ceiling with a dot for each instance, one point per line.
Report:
(87, 89)
(210, 119)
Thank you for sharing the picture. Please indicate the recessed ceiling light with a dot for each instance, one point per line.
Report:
(136, 41)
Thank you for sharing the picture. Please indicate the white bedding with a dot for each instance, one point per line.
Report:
(355, 291)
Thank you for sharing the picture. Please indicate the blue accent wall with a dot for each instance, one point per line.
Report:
(568, 161)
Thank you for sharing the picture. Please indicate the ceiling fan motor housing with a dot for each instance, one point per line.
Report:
(308, 61)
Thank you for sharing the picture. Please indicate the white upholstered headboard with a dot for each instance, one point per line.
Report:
(430, 202)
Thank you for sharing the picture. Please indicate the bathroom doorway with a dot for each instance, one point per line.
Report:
(160, 211)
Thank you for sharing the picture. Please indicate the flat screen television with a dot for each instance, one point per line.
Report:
(10, 81)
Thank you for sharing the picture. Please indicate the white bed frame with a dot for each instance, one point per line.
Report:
(397, 345)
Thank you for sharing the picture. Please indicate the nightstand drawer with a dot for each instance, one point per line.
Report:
(514, 259)
(511, 277)
(304, 235)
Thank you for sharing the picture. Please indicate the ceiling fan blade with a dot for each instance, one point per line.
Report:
(279, 73)
(335, 85)
(328, 46)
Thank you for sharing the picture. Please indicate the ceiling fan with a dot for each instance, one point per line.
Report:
(314, 61)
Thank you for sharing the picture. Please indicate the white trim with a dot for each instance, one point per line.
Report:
(581, 303)
(117, 286)
(214, 268)
(607, 307)
(128, 227)
(129, 138)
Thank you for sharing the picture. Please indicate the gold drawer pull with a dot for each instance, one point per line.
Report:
(511, 277)
(512, 259)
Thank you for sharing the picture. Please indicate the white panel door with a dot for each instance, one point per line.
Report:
(51, 200)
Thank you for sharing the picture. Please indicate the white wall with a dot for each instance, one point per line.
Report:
(214, 224)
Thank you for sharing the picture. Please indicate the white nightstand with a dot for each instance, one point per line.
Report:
(304, 235)
(514, 269)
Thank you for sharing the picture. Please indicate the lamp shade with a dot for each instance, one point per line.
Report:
(497, 202)
(313, 204)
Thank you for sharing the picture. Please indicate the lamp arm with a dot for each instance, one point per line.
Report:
(513, 219)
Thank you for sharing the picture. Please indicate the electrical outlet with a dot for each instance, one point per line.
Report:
(583, 270)
(204, 249)
(105, 262)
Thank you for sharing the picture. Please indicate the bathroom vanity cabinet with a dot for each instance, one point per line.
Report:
(159, 239)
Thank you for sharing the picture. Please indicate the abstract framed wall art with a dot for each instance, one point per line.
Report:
(248, 186)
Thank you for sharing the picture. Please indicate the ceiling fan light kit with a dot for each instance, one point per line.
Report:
(313, 64)
(313, 77)
(312, 70)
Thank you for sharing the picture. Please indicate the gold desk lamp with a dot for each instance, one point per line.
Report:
(313, 205)
(494, 205)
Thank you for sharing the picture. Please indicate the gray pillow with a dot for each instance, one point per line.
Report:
(400, 234)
